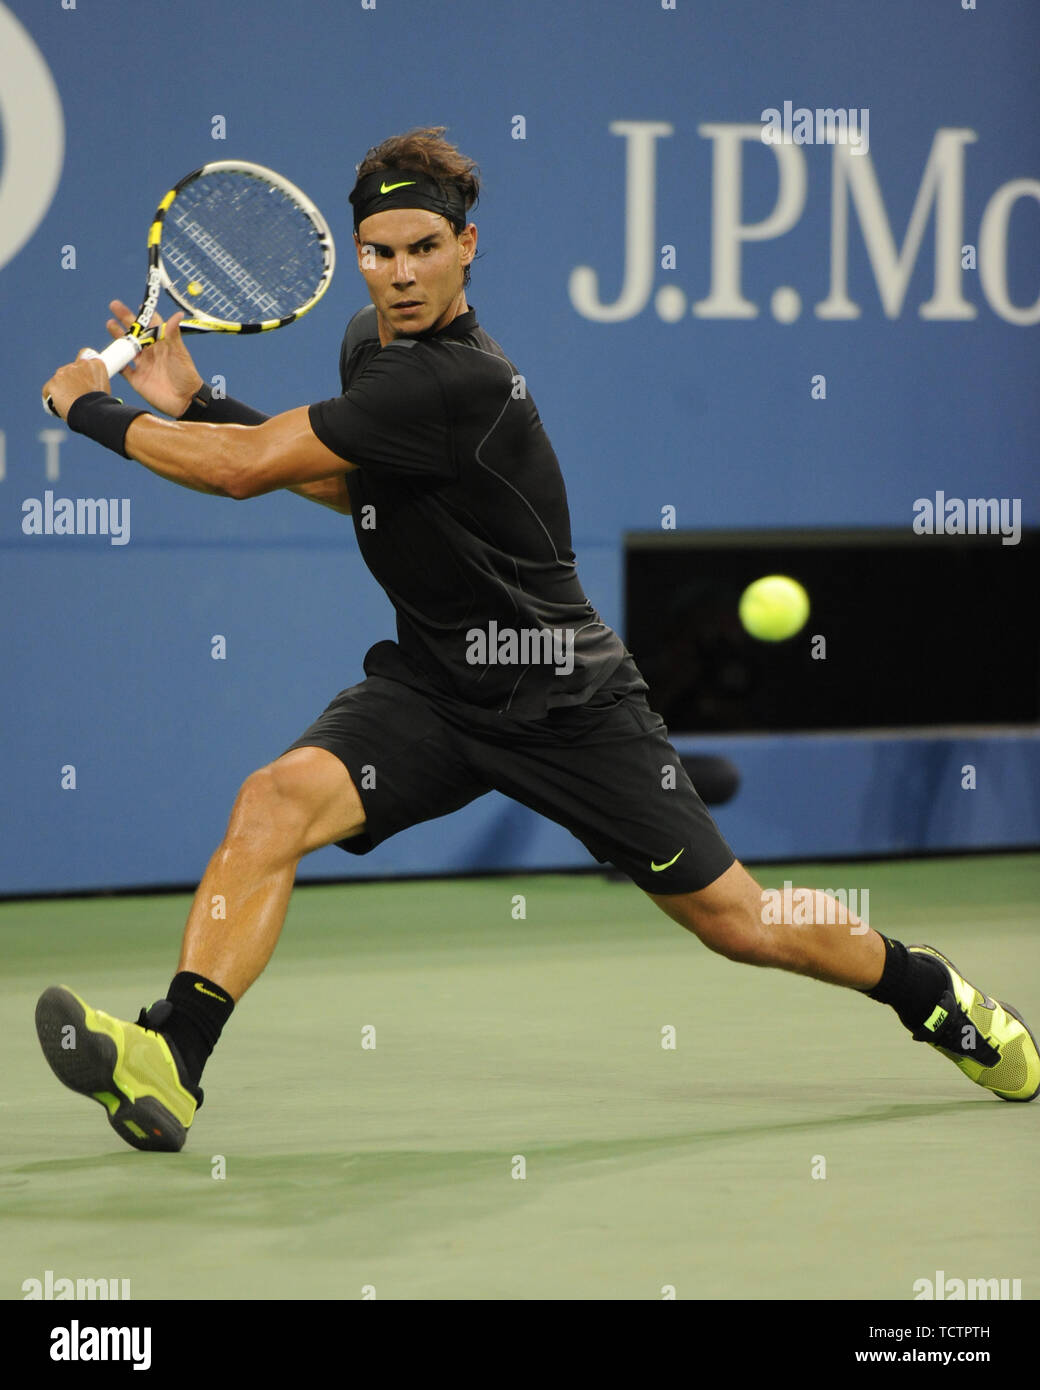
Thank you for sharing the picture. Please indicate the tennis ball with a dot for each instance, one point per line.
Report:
(774, 608)
(194, 287)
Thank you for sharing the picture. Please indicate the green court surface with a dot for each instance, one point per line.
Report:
(538, 1040)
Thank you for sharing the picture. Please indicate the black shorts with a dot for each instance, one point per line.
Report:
(605, 770)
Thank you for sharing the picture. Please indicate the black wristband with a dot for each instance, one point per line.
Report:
(208, 409)
(103, 418)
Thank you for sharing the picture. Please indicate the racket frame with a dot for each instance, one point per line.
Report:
(205, 323)
(120, 353)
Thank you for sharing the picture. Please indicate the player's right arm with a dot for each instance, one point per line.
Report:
(328, 492)
(227, 460)
(167, 378)
(237, 461)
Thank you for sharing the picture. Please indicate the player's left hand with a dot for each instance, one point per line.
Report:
(75, 380)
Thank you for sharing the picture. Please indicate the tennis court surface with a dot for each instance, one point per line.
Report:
(508, 1046)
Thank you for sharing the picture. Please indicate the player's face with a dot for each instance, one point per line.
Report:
(413, 265)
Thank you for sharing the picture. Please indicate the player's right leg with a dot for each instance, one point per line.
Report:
(304, 800)
(146, 1074)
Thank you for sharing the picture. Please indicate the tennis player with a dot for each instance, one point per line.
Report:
(503, 676)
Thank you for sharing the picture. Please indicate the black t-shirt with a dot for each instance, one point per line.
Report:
(461, 515)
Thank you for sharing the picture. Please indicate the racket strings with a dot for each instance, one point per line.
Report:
(239, 249)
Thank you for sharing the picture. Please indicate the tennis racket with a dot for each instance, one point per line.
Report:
(242, 249)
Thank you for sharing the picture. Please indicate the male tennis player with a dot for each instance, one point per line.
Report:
(502, 676)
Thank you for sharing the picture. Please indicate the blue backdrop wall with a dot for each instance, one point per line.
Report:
(669, 282)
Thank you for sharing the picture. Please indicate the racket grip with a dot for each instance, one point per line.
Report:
(119, 354)
(115, 357)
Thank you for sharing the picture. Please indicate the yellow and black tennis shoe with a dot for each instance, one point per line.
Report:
(987, 1040)
(128, 1068)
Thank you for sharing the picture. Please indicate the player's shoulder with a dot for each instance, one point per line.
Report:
(361, 337)
(362, 328)
(465, 349)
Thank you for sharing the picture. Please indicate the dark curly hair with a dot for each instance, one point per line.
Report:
(425, 149)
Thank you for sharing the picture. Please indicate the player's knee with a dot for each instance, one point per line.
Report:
(741, 941)
(727, 917)
(735, 933)
(267, 815)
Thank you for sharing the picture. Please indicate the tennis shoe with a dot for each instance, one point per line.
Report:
(989, 1041)
(129, 1068)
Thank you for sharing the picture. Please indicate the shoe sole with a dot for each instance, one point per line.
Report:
(89, 1069)
(1008, 1009)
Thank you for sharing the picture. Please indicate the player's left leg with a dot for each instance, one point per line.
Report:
(987, 1040)
(609, 773)
(728, 917)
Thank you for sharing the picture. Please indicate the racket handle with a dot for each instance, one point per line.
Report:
(115, 357)
(119, 354)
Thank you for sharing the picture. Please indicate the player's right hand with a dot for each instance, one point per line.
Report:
(164, 375)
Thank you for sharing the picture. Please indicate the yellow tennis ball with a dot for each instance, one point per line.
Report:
(774, 608)
(194, 287)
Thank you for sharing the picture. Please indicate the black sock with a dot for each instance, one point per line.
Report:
(913, 984)
(200, 1010)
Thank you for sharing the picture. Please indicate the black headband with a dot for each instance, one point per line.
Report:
(406, 188)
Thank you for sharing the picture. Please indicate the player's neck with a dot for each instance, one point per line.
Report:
(457, 306)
